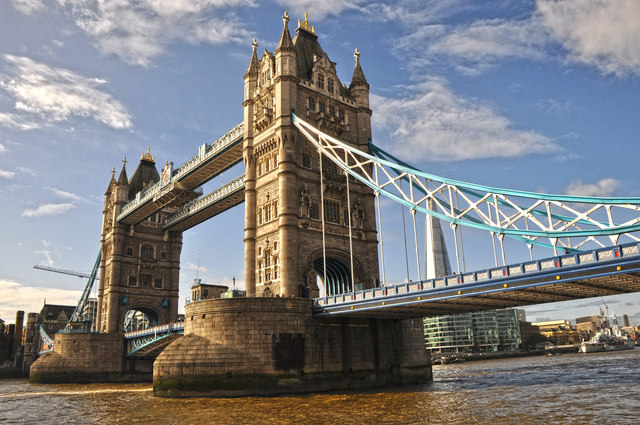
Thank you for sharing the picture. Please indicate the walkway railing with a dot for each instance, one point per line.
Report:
(201, 203)
(530, 267)
(162, 329)
(205, 153)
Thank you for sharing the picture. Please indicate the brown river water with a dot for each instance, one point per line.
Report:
(595, 388)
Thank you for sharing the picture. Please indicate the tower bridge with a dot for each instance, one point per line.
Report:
(311, 189)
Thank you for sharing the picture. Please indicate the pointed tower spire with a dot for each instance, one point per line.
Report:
(252, 69)
(122, 179)
(112, 182)
(358, 75)
(285, 39)
(436, 258)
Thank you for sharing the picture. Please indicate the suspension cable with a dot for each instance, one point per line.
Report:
(454, 227)
(353, 281)
(384, 275)
(464, 263)
(493, 237)
(324, 245)
(415, 234)
(501, 239)
(404, 232)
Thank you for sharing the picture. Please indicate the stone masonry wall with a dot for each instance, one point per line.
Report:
(264, 346)
(81, 358)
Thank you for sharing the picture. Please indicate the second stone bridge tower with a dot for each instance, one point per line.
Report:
(304, 235)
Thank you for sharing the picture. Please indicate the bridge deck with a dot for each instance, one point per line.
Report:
(608, 271)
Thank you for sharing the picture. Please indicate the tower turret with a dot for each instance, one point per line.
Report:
(359, 89)
(285, 52)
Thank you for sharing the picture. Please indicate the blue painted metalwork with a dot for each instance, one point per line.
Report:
(45, 338)
(84, 298)
(556, 217)
(606, 262)
(138, 340)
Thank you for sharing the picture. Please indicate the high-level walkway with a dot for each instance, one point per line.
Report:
(181, 188)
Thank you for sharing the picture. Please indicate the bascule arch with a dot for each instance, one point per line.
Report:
(330, 273)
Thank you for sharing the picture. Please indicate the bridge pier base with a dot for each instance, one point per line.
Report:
(88, 357)
(267, 346)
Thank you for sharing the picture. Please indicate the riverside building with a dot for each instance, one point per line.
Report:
(483, 331)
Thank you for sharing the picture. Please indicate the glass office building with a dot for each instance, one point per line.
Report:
(482, 331)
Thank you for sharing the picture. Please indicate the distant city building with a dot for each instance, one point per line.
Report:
(559, 332)
(483, 331)
(204, 291)
(587, 326)
(529, 334)
(625, 320)
(52, 318)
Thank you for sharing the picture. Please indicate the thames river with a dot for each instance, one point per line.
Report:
(595, 388)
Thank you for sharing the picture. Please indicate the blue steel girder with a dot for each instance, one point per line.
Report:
(148, 342)
(608, 271)
(210, 161)
(205, 207)
(567, 222)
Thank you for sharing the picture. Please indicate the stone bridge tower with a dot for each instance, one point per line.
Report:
(283, 202)
(140, 263)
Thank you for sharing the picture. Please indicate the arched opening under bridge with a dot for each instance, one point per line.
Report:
(139, 318)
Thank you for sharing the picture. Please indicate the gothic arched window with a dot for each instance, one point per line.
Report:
(146, 251)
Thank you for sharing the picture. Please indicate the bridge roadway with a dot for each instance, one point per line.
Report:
(181, 188)
(586, 274)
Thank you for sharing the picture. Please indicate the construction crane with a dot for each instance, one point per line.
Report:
(78, 312)
(63, 271)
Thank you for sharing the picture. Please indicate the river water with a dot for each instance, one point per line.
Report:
(595, 388)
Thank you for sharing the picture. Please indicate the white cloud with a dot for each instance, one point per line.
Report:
(56, 94)
(15, 122)
(481, 43)
(601, 33)
(436, 124)
(16, 296)
(604, 187)
(65, 194)
(3, 148)
(27, 171)
(7, 174)
(138, 31)
(47, 209)
(317, 9)
(28, 6)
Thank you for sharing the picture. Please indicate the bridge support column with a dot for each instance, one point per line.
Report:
(267, 346)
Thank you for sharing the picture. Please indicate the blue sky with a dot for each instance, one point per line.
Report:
(532, 95)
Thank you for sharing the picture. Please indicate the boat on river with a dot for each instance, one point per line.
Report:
(608, 338)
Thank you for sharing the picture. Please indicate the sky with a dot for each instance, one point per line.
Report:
(533, 95)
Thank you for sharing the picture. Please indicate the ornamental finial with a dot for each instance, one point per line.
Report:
(113, 173)
(254, 45)
(285, 18)
(305, 25)
(124, 161)
(356, 55)
(147, 156)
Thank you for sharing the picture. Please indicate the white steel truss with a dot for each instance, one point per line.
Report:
(557, 221)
